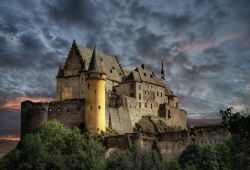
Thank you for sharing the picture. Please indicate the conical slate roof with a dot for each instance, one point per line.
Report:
(60, 72)
(95, 64)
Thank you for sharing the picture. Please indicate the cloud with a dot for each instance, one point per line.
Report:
(198, 47)
(9, 138)
(15, 104)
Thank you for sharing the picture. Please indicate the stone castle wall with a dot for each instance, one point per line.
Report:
(69, 112)
(32, 114)
(144, 99)
(176, 117)
(206, 135)
(171, 144)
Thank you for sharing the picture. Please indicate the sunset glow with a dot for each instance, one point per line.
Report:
(9, 138)
(15, 104)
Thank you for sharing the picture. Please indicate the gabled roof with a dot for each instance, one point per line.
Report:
(109, 64)
(142, 74)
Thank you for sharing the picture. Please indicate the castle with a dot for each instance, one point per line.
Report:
(95, 92)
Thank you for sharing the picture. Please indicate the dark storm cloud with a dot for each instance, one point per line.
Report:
(8, 28)
(78, 13)
(32, 42)
(147, 42)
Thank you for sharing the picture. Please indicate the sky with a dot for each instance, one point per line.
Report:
(205, 46)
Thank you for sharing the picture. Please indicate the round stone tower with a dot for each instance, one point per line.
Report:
(95, 95)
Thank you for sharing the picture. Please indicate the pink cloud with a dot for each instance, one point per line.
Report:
(200, 46)
(15, 104)
(9, 137)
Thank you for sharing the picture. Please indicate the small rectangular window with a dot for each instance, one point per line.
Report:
(131, 87)
(145, 104)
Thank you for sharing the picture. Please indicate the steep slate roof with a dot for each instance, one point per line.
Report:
(109, 64)
(114, 71)
(95, 63)
(142, 74)
(60, 72)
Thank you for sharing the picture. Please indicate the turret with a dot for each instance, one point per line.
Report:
(60, 72)
(162, 71)
(95, 79)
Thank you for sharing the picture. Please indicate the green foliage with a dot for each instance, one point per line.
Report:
(190, 156)
(52, 146)
(204, 158)
(173, 165)
(109, 132)
(223, 156)
(134, 158)
(238, 125)
(234, 154)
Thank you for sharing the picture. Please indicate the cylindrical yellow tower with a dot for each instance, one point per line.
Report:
(95, 79)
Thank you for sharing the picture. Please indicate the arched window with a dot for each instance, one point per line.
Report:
(99, 107)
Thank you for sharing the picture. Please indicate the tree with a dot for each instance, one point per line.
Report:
(52, 146)
(223, 156)
(207, 160)
(135, 158)
(190, 156)
(238, 125)
(173, 165)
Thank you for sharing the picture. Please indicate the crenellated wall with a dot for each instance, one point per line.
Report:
(69, 112)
